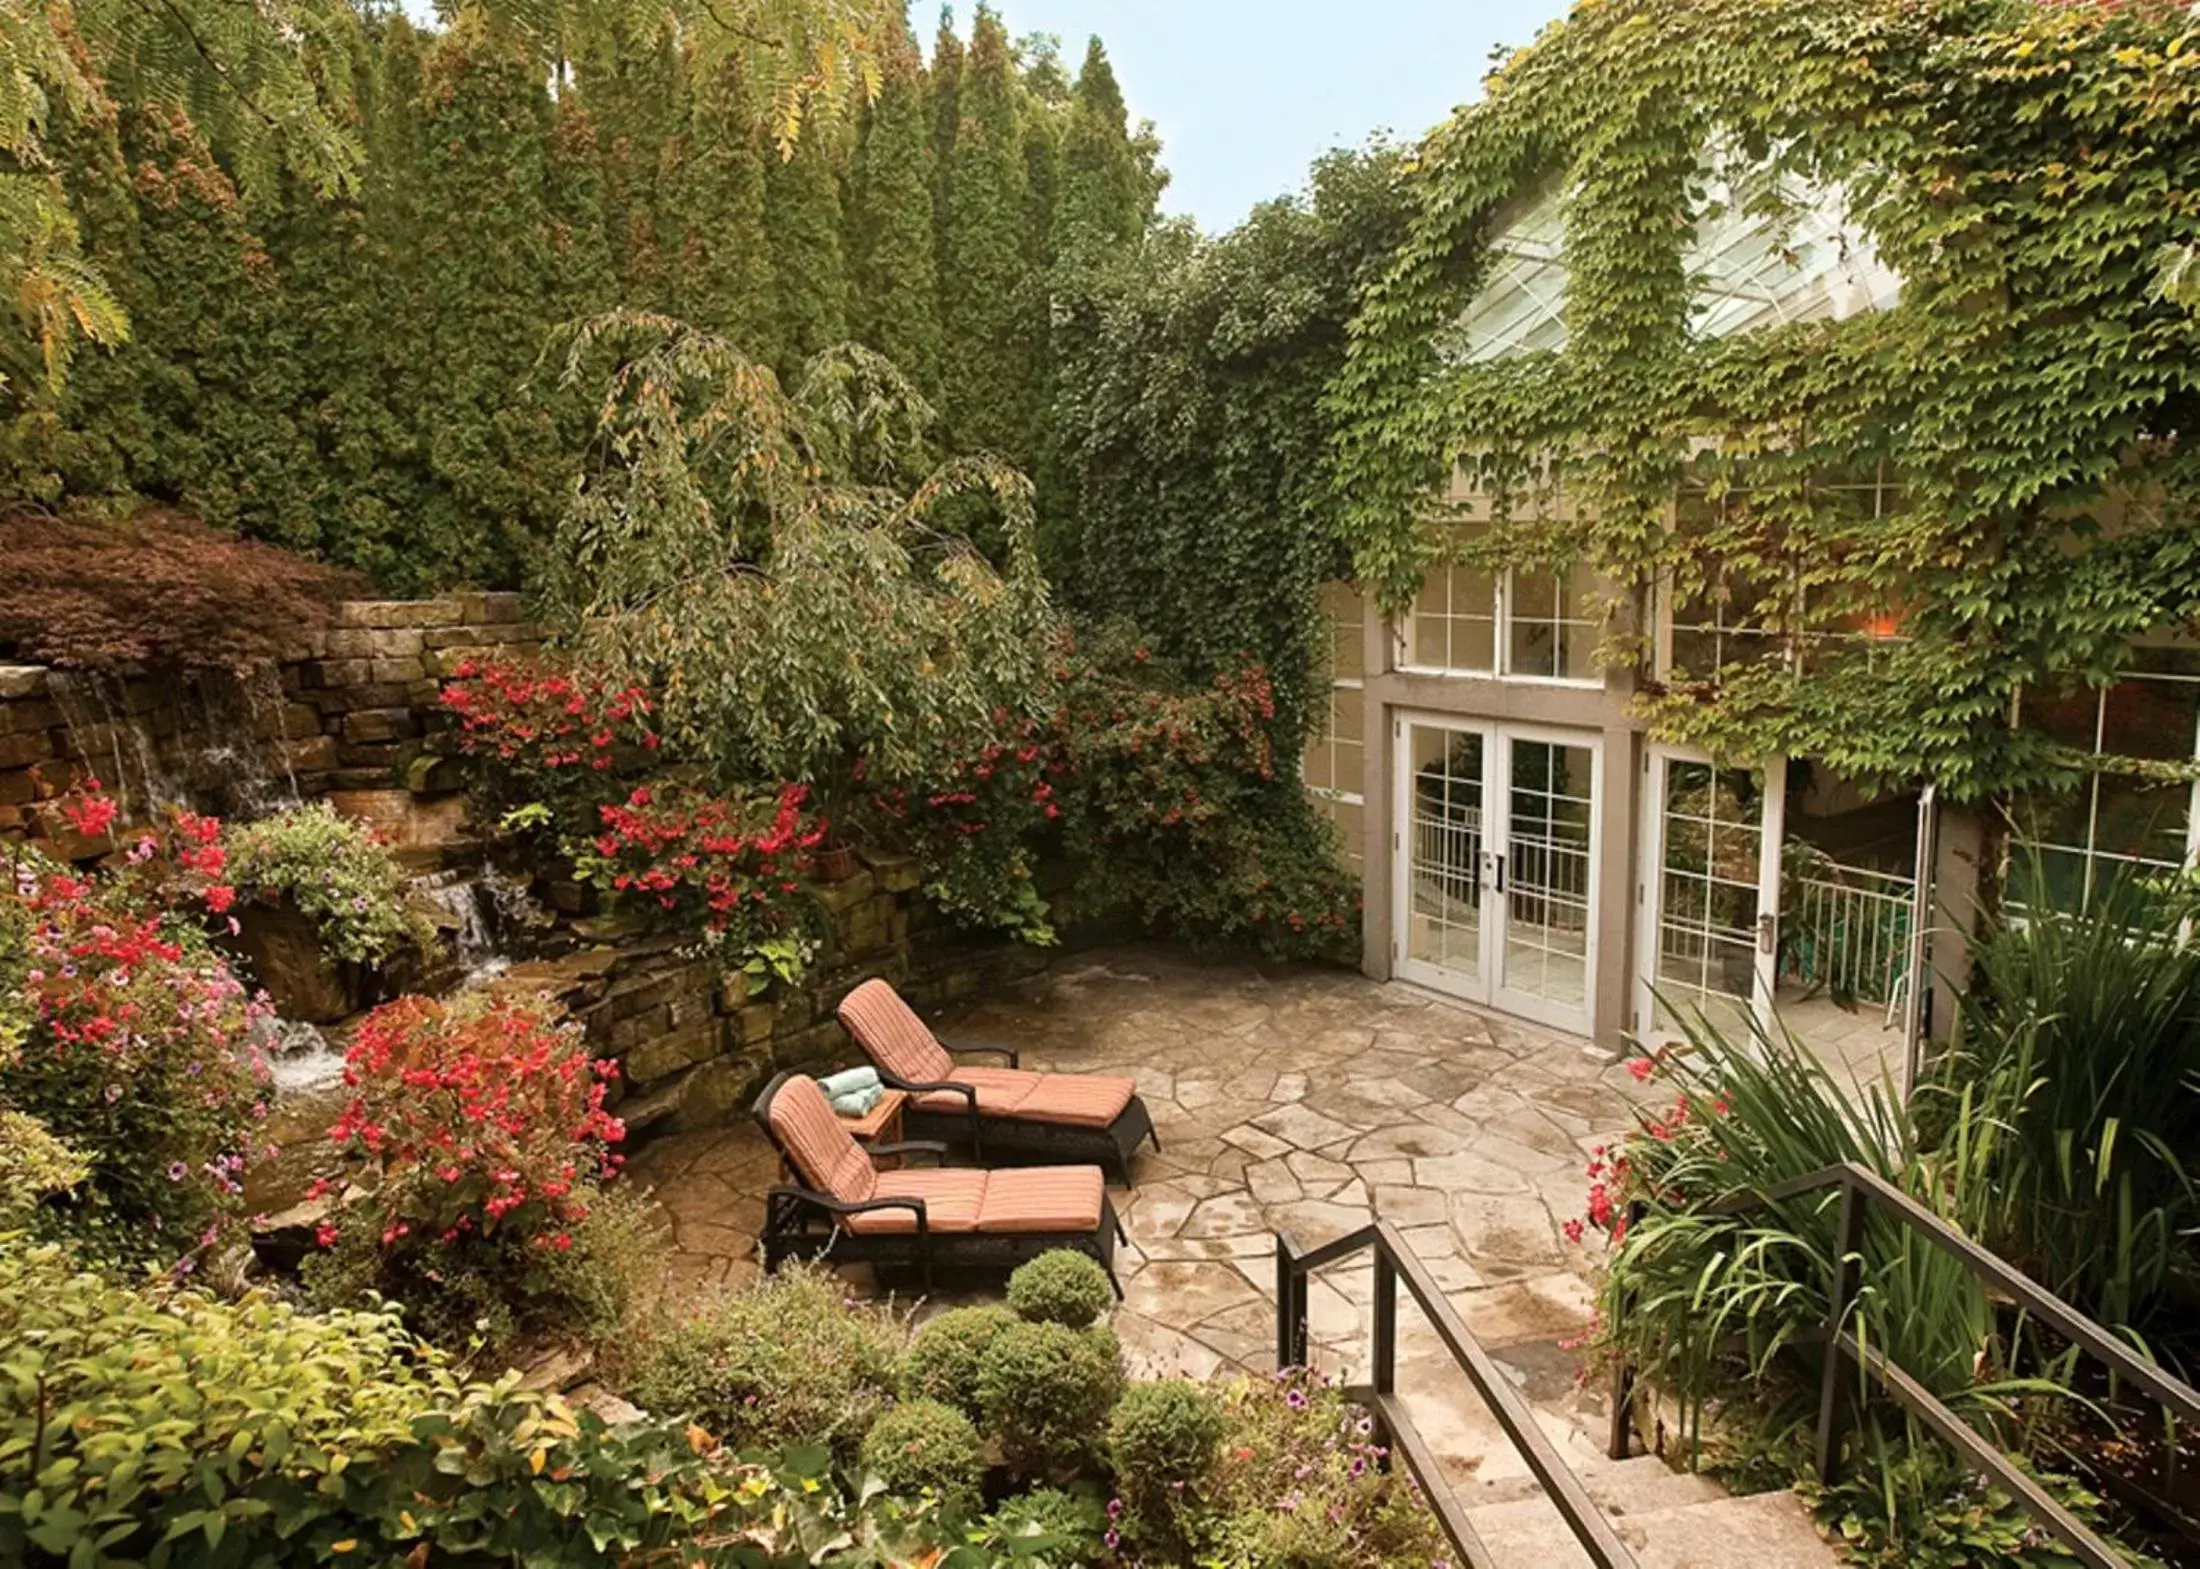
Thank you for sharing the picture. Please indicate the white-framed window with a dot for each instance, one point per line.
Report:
(2117, 823)
(1336, 751)
(1512, 623)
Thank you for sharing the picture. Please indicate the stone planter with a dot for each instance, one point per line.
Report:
(836, 865)
(281, 953)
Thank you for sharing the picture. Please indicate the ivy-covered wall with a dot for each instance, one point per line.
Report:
(2027, 169)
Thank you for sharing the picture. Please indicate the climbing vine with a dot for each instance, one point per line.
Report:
(2021, 414)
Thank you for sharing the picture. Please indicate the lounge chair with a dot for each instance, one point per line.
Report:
(1039, 1116)
(842, 1208)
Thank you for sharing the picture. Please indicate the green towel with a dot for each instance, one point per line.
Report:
(858, 1103)
(854, 1079)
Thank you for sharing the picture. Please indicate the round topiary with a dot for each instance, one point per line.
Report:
(942, 1361)
(1061, 1287)
(1163, 1440)
(924, 1446)
(1044, 1394)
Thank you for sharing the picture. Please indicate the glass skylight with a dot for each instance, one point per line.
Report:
(1768, 250)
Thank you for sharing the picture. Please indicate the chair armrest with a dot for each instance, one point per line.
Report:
(931, 1147)
(919, 1087)
(962, 1048)
(827, 1202)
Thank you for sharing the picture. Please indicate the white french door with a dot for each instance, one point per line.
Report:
(1496, 864)
(1710, 940)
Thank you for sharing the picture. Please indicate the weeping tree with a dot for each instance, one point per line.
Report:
(772, 565)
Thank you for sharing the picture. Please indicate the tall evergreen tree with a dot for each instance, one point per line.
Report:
(990, 371)
(489, 281)
(945, 84)
(802, 215)
(725, 265)
(1106, 195)
(895, 305)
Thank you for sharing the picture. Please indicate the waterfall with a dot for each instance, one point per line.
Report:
(482, 911)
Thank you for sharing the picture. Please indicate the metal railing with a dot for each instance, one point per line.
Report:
(1861, 1190)
(1850, 933)
(1395, 1262)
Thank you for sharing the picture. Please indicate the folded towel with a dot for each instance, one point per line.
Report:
(848, 1083)
(858, 1103)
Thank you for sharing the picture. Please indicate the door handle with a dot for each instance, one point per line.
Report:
(1768, 933)
(1500, 863)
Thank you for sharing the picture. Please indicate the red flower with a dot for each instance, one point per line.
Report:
(219, 897)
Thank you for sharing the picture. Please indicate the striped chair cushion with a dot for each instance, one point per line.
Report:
(895, 1038)
(1076, 1099)
(821, 1150)
(952, 1200)
(1001, 1091)
(1033, 1199)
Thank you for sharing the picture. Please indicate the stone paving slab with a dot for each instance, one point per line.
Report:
(1305, 1099)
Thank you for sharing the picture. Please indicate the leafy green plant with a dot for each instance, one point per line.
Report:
(1044, 1393)
(946, 1353)
(148, 1424)
(332, 870)
(2082, 1034)
(923, 1447)
(1163, 1441)
(1061, 1287)
(789, 1360)
(1048, 1528)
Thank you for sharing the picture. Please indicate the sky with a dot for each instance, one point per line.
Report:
(1247, 93)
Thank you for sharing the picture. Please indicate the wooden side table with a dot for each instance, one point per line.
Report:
(882, 1123)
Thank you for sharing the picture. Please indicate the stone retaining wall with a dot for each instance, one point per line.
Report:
(357, 711)
(357, 721)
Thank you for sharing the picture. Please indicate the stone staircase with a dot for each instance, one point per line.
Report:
(1668, 1519)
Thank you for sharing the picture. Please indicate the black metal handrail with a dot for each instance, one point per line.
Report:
(1395, 1261)
(1861, 1189)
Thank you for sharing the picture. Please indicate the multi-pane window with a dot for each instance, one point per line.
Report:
(1528, 623)
(1733, 617)
(2118, 822)
(1337, 750)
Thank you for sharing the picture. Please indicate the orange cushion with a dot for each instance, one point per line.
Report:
(953, 1201)
(1077, 1099)
(1001, 1091)
(1026, 1199)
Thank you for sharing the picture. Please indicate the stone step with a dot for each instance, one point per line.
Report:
(1766, 1531)
(1629, 1487)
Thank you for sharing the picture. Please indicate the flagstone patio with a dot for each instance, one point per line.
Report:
(1304, 1100)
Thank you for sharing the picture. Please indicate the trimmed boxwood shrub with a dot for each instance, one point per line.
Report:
(1044, 1394)
(1061, 1287)
(789, 1360)
(1049, 1526)
(926, 1446)
(943, 1360)
(1162, 1441)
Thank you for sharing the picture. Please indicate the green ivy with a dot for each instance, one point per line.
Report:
(2023, 167)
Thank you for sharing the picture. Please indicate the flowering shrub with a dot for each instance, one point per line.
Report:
(1299, 1481)
(551, 733)
(129, 1038)
(477, 1139)
(732, 870)
(979, 833)
(334, 871)
(1176, 812)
